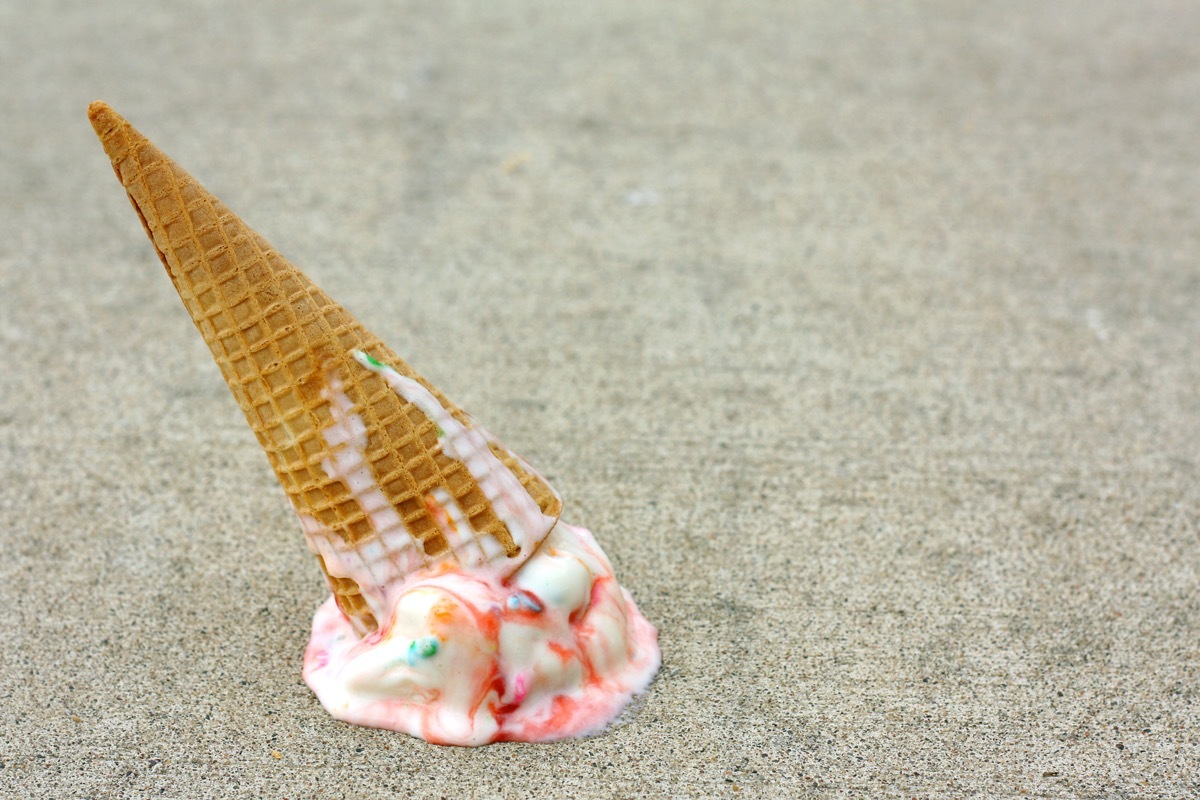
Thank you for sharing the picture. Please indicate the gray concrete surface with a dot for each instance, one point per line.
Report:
(863, 336)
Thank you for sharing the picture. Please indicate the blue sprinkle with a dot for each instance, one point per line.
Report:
(518, 600)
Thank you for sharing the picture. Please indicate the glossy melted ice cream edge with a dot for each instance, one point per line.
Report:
(466, 653)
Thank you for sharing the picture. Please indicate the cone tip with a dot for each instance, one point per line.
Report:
(102, 117)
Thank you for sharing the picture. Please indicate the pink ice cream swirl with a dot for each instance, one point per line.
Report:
(467, 658)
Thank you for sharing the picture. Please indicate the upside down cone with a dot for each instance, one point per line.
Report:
(380, 467)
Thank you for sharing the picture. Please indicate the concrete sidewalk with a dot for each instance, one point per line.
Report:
(864, 339)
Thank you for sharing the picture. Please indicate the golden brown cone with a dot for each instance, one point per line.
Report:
(280, 341)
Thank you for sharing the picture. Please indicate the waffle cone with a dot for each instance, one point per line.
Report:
(385, 473)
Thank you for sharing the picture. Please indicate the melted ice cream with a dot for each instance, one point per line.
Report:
(468, 658)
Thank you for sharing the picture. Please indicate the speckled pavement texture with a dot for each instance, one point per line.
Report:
(864, 336)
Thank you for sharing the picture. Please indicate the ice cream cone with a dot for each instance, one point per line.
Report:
(386, 475)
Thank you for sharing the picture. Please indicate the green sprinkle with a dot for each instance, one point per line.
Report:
(370, 359)
(420, 649)
(439, 430)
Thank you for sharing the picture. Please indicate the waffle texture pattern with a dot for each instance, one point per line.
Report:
(282, 343)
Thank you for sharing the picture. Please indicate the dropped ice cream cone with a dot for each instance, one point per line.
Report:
(488, 619)
(386, 475)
